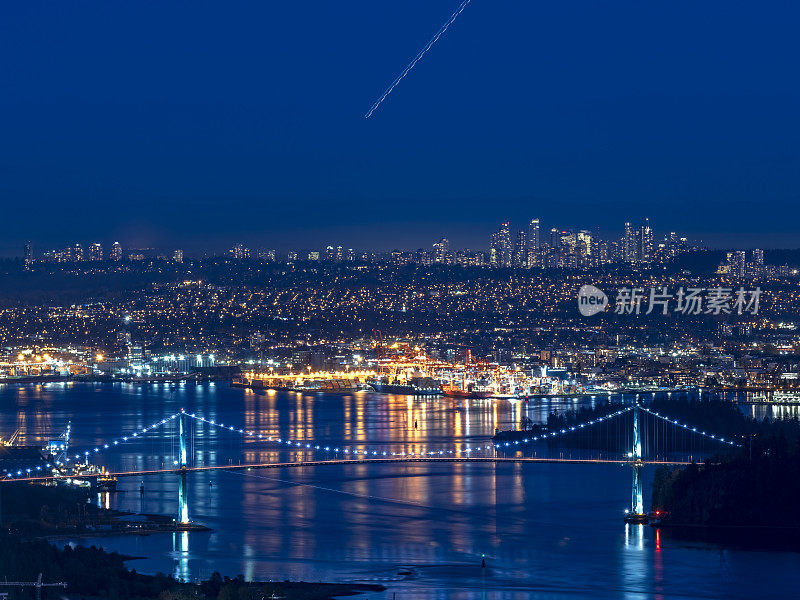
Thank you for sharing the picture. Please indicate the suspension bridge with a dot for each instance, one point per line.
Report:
(624, 434)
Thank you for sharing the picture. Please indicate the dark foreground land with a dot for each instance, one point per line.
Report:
(93, 572)
(31, 512)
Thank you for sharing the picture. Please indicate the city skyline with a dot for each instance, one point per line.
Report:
(431, 299)
(507, 246)
(636, 243)
(388, 237)
(185, 139)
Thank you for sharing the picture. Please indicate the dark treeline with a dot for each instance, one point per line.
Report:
(35, 509)
(87, 571)
(756, 486)
(93, 572)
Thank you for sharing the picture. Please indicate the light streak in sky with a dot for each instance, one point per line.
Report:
(417, 58)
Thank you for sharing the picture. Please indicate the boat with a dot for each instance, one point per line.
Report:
(406, 389)
(471, 392)
(786, 397)
(414, 386)
(636, 518)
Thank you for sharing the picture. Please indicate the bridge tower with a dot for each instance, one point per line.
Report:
(183, 490)
(182, 436)
(636, 513)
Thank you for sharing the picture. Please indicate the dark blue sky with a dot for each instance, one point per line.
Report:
(197, 123)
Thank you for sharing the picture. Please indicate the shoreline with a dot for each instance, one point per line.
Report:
(197, 378)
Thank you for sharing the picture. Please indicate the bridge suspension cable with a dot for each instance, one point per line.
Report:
(344, 448)
(566, 430)
(350, 450)
(347, 448)
(127, 438)
(99, 449)
(687, 427)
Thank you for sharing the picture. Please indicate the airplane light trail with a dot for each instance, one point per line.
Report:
(418, 57)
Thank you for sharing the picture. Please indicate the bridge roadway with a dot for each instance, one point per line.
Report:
(364, 461)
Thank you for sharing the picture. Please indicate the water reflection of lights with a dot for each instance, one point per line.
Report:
(775, 411)
(635, 562)
(180, 550)
(658, 568)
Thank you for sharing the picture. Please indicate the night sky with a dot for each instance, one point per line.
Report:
(197, 124)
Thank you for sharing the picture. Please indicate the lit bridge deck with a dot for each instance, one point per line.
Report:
(367, 461)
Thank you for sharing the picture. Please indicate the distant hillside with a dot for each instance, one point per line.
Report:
(706, 262)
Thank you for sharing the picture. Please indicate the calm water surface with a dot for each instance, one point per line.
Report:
(547, 530)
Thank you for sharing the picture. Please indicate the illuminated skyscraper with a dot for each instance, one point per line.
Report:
(116, 251)
(28, 254)
(500, 246)
(240, 252)
(555, 238)
(521, 249)
(583, 248)
(534, 243)
(267, 254)
(441, 249)
(736, 263)
(533, 234)
(177, 256)
(96, 251)
(645, 249)
(629, 244)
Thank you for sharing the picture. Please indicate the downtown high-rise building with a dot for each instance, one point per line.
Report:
(645, 243)
(736, 263)
(267, 254)
(534, 244)
(629, 253)
(533, 234)
(500, 247)
(116, 252)
(240, 252)
(96, 251)
(584, 244)
(28, 254)
(521, 249)
(441, 251)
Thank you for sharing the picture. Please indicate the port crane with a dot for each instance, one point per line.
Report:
(11, 440)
